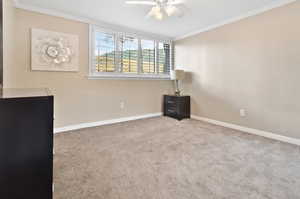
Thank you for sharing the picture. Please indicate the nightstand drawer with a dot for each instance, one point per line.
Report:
(171, 105)
(170, 99)
(170, 102)
(171, 111)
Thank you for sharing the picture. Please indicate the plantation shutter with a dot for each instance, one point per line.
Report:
(128, 48)
(164, 59)
(105, 52)
(148, 56)
(116, 53)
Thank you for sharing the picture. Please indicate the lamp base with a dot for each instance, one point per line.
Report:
(177, 93)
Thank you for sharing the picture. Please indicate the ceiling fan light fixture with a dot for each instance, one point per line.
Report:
(159, 15)
(170, 10)
(161, 8)
(154, 11)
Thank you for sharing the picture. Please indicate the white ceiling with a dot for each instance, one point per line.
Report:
(199, 14)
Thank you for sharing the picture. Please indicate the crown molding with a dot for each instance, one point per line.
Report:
(238, 18)
(102, 24)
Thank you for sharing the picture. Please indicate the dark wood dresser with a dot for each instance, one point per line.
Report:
(26, 144)
(178, 107)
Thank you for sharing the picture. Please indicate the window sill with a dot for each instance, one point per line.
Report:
(128, 77)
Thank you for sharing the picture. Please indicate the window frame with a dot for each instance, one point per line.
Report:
(120, 75)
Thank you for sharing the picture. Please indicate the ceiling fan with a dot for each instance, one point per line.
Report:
(161, 8)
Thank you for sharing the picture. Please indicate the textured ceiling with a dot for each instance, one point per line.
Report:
(199, 14)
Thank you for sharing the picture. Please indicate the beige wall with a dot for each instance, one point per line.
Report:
(8, 35)
(77, 99)
(253, 64)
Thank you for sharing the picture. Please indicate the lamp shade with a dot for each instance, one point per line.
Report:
(177, 74)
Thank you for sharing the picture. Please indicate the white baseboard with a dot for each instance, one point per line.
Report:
(104, 122)
(250, 130)
(224, 124)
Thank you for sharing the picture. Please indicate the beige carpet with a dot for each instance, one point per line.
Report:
(161, 158)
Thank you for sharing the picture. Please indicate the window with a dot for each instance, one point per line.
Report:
(105, 52)
(148, 56)
(121, 55)
(129, 54)
(164, 59)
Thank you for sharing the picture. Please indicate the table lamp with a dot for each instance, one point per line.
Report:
(177, 75)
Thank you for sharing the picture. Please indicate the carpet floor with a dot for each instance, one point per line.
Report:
(161, 158)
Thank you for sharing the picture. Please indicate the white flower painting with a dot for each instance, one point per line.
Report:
(53, 51)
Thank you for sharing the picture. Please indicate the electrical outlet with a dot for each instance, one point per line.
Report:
(243, 113)
(122, 105)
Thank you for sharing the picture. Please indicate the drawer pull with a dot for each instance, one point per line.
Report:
(170, 102)
(171, 111)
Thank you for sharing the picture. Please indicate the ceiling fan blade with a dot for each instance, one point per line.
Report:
(176, 2)
(150, 3)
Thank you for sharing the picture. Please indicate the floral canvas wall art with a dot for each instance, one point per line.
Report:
(53, 51)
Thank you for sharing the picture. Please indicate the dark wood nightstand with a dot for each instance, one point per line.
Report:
(178, 107)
